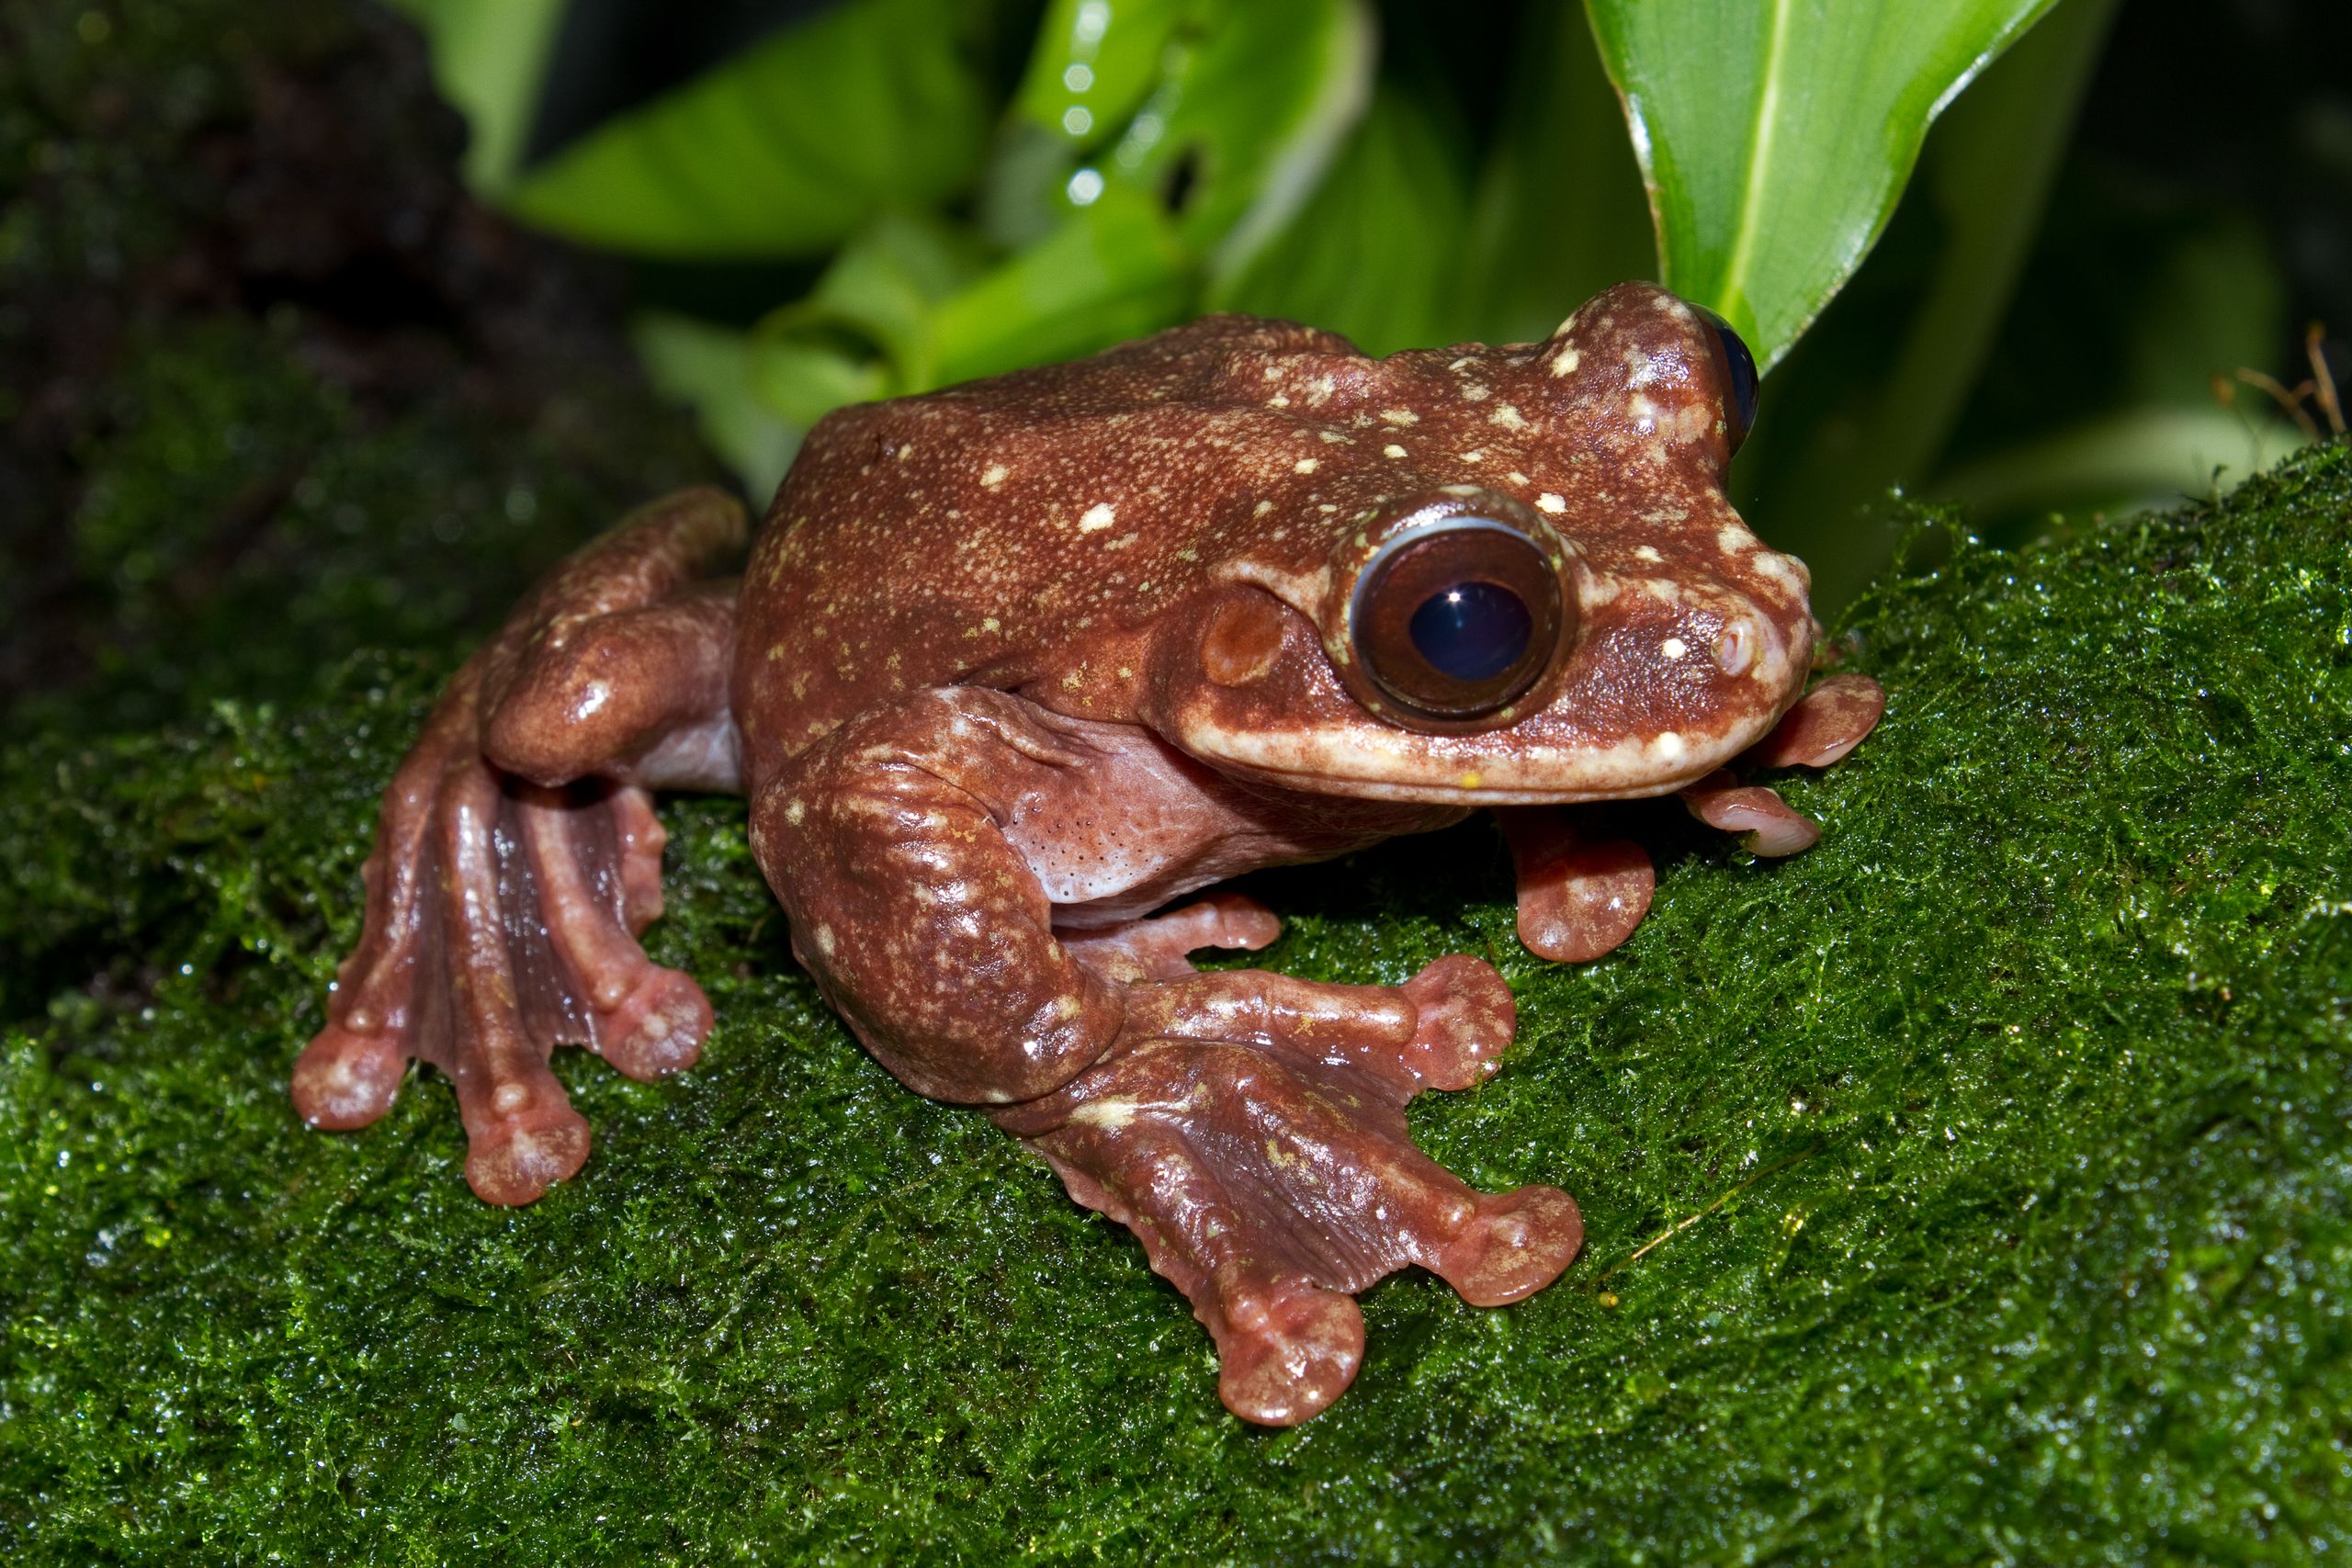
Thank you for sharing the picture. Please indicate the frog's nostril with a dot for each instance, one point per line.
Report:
(1736, 647)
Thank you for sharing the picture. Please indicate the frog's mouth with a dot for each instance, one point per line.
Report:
(1372, 761)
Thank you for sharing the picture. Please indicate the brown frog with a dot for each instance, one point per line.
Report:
(1014, 665)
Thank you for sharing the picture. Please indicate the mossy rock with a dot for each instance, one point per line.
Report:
(1975, 1185)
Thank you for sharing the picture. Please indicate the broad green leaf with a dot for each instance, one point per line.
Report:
(910, 305)
(1869, 401)
(866, 331)
(1417, 237)
(1112, 273)
(786, 148)
(1776, 135)
(708, 368)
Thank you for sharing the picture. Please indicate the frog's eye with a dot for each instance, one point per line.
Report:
(1739, 377)
(1453, 620)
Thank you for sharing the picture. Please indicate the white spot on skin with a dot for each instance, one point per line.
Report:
(1098, 517)
(1669, 745)
(1649, 554)
(1261, 509)
(1474, 457)
(1305, 465)
(1731, 538)
(796, 812)
(1392, 450)
(1508, 417)
(1564, 363)
(1279, 400)
(993, 477)
(1516, 476)
(1674, 647)
(1400, 416)
(1550, 503)
(824, 939)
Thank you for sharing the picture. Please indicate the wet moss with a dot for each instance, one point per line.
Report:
(1974, 1186)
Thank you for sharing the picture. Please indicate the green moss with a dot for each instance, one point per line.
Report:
(1973, 1187)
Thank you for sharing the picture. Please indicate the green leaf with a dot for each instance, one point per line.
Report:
(1216, 119)
(488, 60)
(708, 368)
(1776, 135)
(1225, 113)
(1868, 401)
(786, 148)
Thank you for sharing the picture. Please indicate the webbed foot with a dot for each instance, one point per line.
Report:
(1250, 1128)
(502, 922)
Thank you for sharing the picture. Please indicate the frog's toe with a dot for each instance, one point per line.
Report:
(1579, 897)
(346, 1078)
(1765, 823)
(1289, 1353)
(658, 1028)
(1159, 946)
(515, 1159)
(1826, 723)
(1464, 1019)
(1516, 1243)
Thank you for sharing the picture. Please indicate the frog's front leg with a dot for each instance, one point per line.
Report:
(1249, 1127)
(518, 855)
(1581, 894)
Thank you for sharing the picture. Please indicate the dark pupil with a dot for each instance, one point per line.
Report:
(1472, 631)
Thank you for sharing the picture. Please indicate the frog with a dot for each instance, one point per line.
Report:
(1016, 674)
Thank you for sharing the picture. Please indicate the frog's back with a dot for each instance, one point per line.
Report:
(976, 535)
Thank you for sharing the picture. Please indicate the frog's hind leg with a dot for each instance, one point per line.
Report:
(517, 856)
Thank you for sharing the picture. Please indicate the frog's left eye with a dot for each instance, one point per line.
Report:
(1453, 620)
(1739, 377)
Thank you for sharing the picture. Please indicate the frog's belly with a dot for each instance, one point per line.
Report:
(1131, 823)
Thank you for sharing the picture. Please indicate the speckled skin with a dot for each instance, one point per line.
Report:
(1016, 664)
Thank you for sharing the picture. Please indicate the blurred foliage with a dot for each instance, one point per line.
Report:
(1403, 175)
(275, 387)
(1973, 1187)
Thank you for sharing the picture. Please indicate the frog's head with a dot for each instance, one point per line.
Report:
(1538, 592)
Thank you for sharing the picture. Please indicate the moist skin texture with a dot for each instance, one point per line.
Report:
(1016, 666)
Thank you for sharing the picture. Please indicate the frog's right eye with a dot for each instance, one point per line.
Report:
(1455, 619)
(1740, 380)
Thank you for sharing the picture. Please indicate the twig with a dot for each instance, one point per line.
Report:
(1679, 1227)
(2292, 401)
(2322, 381)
